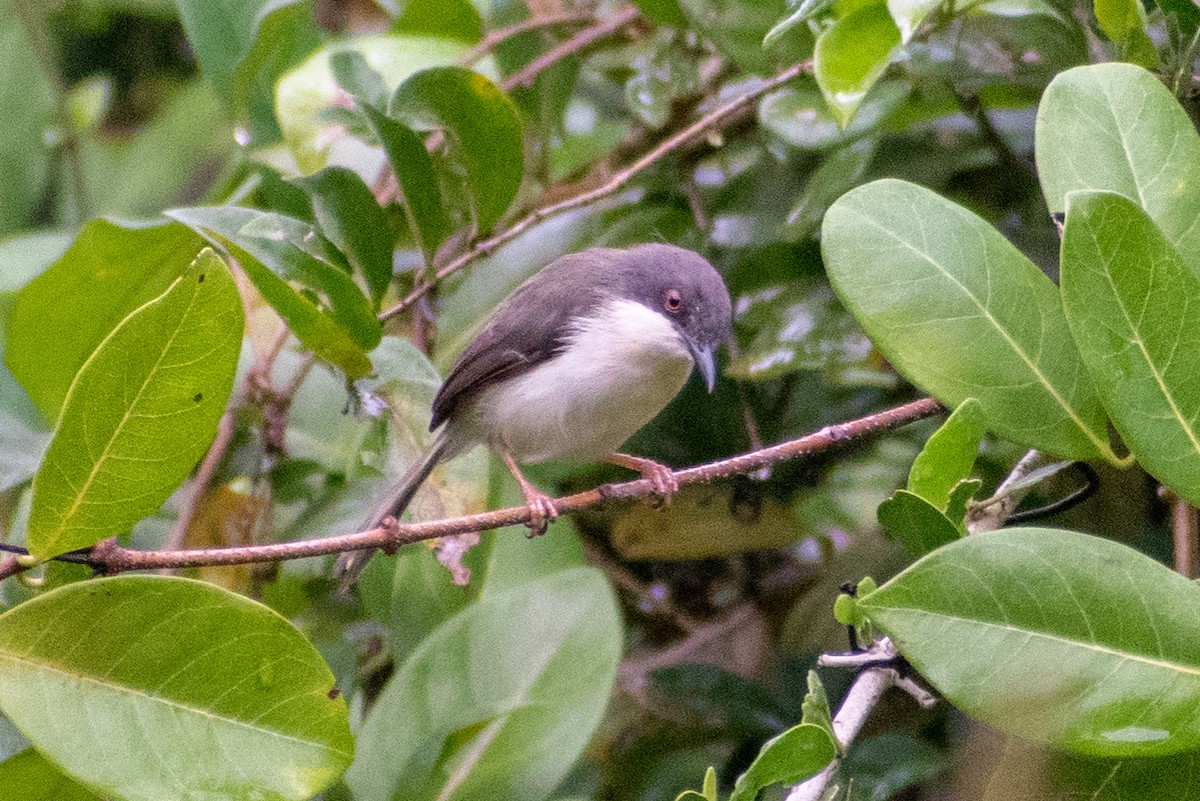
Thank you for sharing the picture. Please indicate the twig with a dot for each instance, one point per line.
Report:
(110, 557)
(580, 41)
(495, 38)
(1184, 527)
(618, 181)
(862, 697)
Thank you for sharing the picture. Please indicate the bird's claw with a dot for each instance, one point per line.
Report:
(662, 479)
(542, 512)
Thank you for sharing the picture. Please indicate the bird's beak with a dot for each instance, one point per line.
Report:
(705, 360)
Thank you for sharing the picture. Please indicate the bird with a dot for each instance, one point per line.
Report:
(569, 366)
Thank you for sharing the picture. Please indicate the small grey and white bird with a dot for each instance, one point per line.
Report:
(570, 365)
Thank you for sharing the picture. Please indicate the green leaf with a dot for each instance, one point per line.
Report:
(354, 74)
(880, 767)
(962, 313)
(738, 29)
(799, 326)
(419, 192)
(1186, 12)
(799, 11)
(224, 36)
(791, 757)
(140, 413)
(1116, 128)
(27, 107)
(23, 258)
(274, 249)
(504, 695)
(1133, 307)
(349, 217)
(447, 19)
(800, 116)
(232, 698)
(815, 707)
(22, 450)
(839, 172)
(1124, 21)
(1071, 640)
(916, 523)
(663, 12)
(60, 317)
(949, 455)
(483, 126)
(909, 14)
(304, 96)
(29, 776)
(851, 55)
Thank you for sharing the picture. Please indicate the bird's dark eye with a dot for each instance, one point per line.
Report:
(673, 301)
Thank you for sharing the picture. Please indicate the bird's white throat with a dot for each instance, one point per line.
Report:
(620, 367)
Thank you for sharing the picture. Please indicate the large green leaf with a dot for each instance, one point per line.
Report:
(1134, 308)
(497, 702)
(962, 313)
(29, 776)
(60, 317)
(148, 687)
(482, 124)
(1071, 640)
(140, 413)
(275, 249)
(1116, 128)
(851, 55)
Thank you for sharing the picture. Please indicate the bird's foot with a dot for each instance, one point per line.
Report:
(661, 477)
(542, 511)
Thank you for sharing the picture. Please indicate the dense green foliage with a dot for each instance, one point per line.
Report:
(242, 241)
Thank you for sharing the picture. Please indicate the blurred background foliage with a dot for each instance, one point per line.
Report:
(126, 108)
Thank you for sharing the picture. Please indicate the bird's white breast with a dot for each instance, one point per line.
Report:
(620, 367)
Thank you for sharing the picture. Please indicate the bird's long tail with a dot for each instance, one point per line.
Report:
(351, 563)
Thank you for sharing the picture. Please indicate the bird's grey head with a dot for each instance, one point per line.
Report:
(683, 287)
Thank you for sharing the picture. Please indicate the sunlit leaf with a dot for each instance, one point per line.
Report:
(304, 95)
(1067, 639)
(851, 55)
(1132, 305)
(60, 317)
(962, 313)
(1116, 128)
(232, 697)
(274, 250)
(140, 413)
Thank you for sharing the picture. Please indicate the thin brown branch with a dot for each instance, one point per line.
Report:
(111, 557)
(576, 44)
(617, 182)
(1185, 528)
(494, 39)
